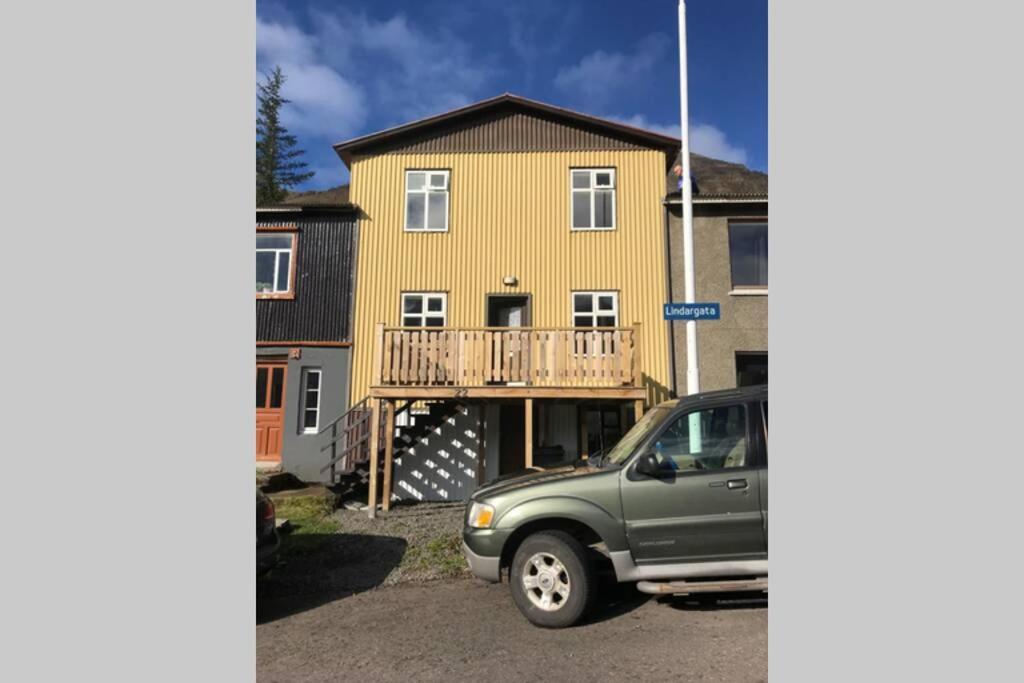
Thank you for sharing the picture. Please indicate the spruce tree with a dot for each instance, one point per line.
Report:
(278, 167)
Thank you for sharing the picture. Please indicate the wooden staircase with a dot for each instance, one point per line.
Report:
(347, 438)
(424, 424)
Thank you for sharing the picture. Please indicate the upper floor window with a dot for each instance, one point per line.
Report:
(275, 267)
(424, 309)
(748, 254)
(426, 201)
(593, 199)
(595, 309)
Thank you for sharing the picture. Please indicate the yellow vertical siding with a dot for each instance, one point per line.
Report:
(509, 214)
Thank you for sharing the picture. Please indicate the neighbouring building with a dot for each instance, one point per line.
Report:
(730, 235)
(511, 273)
(305, 260)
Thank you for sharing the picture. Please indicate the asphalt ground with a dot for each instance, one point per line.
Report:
(467, 629)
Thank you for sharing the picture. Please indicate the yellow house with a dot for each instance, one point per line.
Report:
(509, 287)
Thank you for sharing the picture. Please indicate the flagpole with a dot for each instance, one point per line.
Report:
(689, 279)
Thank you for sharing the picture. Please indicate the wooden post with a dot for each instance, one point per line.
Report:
(389, 453)
(638, 408)
(378, 354)
(374, 447)
(334, 452)
(638, 375)
(529, 432)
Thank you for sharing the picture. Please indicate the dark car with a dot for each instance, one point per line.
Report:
(267, 541)
(679, 504)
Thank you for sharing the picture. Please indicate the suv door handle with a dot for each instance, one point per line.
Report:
(737, 483)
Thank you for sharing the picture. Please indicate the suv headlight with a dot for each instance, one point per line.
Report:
(481, 515)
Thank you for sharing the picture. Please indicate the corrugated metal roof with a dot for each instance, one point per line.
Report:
(513, 131)
(488, 126)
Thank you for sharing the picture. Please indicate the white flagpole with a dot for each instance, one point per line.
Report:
(689, 293)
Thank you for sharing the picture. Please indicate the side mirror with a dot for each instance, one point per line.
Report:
(647, 464)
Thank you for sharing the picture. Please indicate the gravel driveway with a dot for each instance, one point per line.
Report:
(465, 629)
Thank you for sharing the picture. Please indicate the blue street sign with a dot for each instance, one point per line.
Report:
(705, 311)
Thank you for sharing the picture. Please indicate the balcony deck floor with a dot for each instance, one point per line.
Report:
(418, 392)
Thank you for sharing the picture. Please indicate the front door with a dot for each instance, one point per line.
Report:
(706, 506)
(270, 385)
(508, 311)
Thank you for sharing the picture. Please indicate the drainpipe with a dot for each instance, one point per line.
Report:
(689, 279)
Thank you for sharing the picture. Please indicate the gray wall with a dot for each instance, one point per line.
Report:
(300, 453)
(744, 323)
(442, 465)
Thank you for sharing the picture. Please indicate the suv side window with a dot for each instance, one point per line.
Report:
(710, 439)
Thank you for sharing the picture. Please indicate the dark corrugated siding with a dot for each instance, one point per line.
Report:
(507, 132)
(325, 277)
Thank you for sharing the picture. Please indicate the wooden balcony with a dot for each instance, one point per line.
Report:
(503, 362)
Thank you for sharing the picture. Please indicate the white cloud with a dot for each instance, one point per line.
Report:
(640, 121)
(415, 72)
(283, 43)
(347, 68)
(597, 77)
(323, 102)
(711, 142)
(705, 139)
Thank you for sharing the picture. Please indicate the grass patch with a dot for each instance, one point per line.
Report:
(310, 518)
(440, 556)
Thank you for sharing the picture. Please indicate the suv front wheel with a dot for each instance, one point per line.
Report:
(551, 579)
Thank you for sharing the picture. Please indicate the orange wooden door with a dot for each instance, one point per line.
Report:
(270, 386)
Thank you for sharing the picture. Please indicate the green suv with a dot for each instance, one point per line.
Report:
(679, 504)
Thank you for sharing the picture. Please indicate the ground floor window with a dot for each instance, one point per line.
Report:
(751, 368)
(311, 400)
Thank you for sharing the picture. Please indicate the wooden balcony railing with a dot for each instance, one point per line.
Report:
(532, 356)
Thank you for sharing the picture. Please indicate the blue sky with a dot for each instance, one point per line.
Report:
(356, 67)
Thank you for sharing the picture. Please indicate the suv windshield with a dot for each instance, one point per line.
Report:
(640, 431)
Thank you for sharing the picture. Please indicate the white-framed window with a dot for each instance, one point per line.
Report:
(426, 201)
(274, 255)
(595, 309)
(593, 198)
(311, 389)
(424, 309)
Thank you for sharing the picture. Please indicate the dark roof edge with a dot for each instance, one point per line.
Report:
(676, 198)
(308, 208)
(344, 149)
